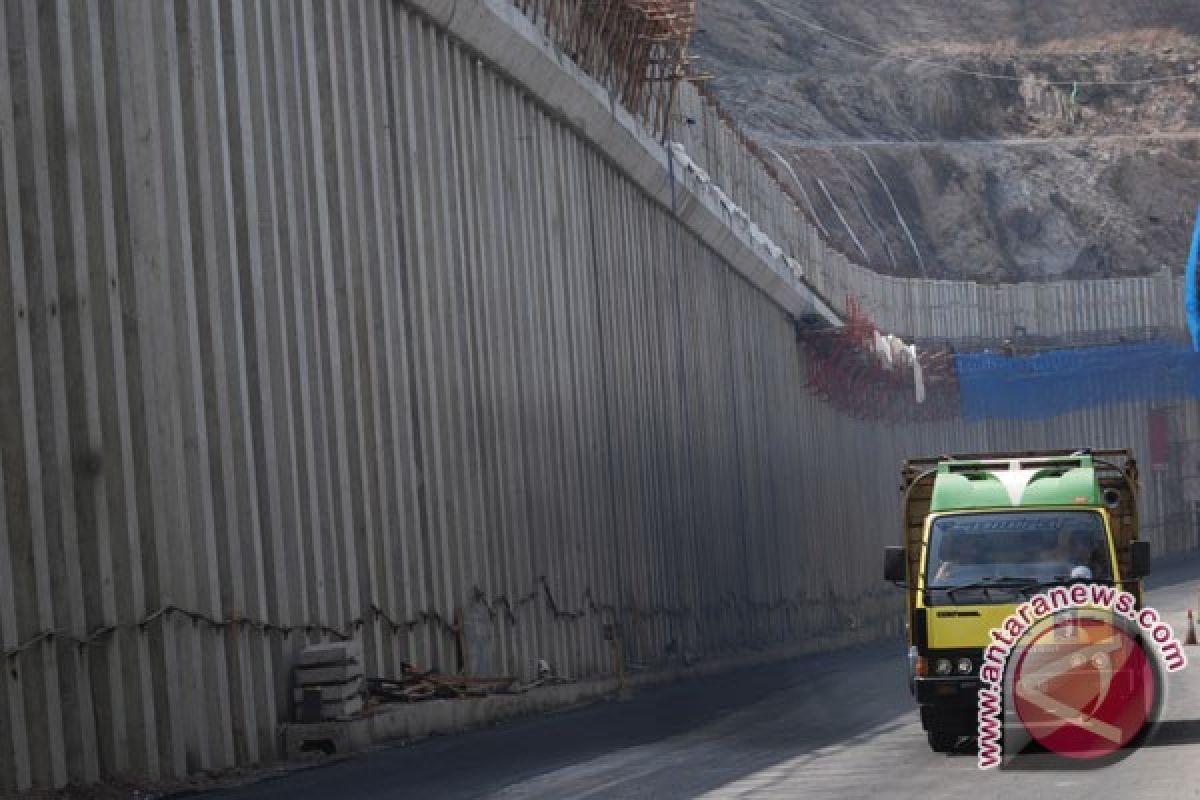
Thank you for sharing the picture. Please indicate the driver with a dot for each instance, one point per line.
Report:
(960, 559)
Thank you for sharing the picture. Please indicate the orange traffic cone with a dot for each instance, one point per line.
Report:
(1191, 634)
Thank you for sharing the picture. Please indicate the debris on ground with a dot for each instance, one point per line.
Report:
(416, 685)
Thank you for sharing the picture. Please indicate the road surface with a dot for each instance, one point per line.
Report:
(829, 726)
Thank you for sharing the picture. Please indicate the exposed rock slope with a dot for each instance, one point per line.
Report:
(1082, 159)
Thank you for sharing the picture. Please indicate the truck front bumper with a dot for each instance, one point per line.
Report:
(949, 705)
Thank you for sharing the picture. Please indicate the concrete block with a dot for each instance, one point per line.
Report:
(338, 709)
(337, 673)
(331, 692)
(331, 738)
(331, 653)
(346, 708)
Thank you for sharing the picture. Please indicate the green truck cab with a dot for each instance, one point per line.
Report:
(984, 531)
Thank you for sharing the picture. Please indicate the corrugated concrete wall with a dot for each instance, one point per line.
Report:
(316, 322)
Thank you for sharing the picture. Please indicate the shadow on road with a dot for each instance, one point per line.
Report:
(1178, 569)
(1175, 732)
(483, 762)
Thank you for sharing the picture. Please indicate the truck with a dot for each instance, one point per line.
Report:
(982, 531)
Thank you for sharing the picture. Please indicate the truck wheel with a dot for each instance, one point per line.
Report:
(941, 742)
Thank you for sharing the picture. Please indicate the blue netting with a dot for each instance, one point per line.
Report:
(998, 386)
(1191, 301)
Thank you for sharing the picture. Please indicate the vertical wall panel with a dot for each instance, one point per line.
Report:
(316, 324)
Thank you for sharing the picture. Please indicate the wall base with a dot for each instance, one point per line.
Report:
(407, 722)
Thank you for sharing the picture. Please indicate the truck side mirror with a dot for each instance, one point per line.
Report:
(894, 566)
(1140, 558)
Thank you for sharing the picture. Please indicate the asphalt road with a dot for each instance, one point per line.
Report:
(836, 725)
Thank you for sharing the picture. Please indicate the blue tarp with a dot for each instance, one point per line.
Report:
(998, 386)
(1190, 301)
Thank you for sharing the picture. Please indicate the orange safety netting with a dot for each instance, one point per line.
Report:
(845, 371)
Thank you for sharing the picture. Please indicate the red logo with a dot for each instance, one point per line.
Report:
(1083, 687)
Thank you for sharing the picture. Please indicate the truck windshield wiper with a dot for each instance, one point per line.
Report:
(1020, 584)
(991, 582)
(965, 587)
(1061, 579)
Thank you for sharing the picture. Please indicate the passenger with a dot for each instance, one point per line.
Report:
(1081, 573)
(1084, 551)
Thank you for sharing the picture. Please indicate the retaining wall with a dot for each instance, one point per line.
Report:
(372, 319)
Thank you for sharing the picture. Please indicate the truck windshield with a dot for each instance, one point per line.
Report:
(997, 554)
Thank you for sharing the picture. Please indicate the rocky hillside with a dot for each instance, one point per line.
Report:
(999, 140)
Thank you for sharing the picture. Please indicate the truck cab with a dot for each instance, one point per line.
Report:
(981, 534)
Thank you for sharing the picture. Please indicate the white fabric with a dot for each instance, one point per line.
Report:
(918, 374)
(883, 350)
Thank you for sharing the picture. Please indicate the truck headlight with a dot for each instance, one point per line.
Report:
(965, 667)
(943, 666)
